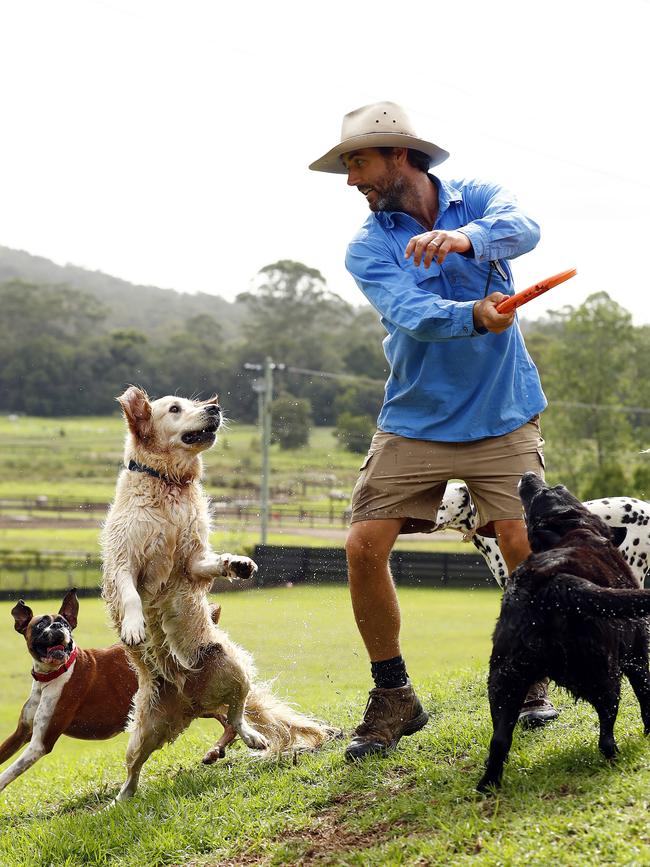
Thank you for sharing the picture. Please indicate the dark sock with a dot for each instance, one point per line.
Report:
(389, 673)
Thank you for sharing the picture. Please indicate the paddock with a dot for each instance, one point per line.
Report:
(561, 803)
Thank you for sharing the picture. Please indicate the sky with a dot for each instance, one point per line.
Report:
(166, 142)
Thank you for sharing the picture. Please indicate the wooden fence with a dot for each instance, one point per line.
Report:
(37, 574)
(58, 509)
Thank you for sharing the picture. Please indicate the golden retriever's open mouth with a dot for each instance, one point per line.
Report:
(206, 434)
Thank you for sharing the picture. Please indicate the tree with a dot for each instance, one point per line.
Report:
(641, 481)
(354, 432)
(607, 481)
(588, 381)
(640, 385)
(294, 317)
(359, 398)
(32, 312)
(361, 345)
(291, 421)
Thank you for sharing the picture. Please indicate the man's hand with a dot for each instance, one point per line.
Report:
(486, 316)
(436, 245)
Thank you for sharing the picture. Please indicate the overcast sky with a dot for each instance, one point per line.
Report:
(167, 141)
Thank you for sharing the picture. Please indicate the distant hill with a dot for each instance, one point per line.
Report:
(146, 308)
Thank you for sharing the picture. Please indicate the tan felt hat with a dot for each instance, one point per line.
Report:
(382, 124)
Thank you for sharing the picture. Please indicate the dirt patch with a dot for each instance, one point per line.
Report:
(322, 843)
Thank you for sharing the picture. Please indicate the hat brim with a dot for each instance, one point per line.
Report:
(331, 161)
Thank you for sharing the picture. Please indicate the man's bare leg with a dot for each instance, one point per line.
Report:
(393, 710)
(513, 542)
(374, 600)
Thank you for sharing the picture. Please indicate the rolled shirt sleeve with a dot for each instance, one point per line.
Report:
(502, 231)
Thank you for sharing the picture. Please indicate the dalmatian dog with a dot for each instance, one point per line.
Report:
(630, 519)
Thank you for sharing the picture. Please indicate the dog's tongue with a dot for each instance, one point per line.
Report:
(54, 653)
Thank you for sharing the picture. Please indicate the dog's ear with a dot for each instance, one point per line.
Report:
(70, 608)
(22, 615)
(137, 411)
(542, 539)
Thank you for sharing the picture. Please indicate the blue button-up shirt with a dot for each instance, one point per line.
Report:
(447, 382)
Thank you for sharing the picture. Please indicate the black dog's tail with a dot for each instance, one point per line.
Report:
(568, 592)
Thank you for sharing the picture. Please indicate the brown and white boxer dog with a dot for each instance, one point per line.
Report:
(84, 694)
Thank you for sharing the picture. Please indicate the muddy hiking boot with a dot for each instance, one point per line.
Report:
(389, 715)
(537, 710)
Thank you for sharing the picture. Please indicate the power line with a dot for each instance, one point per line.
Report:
(304, 371)
(641, 410)
(324, 373)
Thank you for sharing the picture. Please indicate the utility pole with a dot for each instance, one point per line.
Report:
(264, 389)
(266, 447)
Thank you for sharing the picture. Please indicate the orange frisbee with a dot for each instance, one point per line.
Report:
(526, 295)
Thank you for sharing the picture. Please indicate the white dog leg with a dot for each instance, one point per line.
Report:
(44, 700)
(132, 631)
(32, 754)
(250, 736)
(224, 566)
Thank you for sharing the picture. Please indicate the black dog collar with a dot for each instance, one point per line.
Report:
(142, 468)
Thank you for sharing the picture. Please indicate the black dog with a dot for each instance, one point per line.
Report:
(572, 611)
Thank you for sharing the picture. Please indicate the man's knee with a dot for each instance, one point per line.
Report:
(362, 550)
(369, 543)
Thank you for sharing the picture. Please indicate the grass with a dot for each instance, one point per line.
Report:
(86, 539)
(561, 802)
(79, 457)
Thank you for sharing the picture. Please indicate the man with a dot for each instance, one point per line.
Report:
(462, 398)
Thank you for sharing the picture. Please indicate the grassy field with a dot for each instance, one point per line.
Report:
(561, 802)
(77, 459)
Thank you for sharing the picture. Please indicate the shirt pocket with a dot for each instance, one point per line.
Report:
(468, 278)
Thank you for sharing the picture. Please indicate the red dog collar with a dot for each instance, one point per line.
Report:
(52, 675)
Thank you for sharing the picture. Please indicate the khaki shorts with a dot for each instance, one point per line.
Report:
(406, 478)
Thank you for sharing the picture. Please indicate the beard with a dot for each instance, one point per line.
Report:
(391, 197)
(392, 193)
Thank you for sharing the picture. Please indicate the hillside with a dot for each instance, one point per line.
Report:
(146, 308)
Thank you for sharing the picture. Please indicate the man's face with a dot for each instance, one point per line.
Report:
(377, 177)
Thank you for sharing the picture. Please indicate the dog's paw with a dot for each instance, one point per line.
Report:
(253, 739)
(218, 752)
(488, 785)
(133, 631)
(235, 566)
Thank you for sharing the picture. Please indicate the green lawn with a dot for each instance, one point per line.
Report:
(561, 802)
(79, 457)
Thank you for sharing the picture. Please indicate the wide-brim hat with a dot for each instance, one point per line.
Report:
(382, 124)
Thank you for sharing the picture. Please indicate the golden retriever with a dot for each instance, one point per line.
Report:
(157, 570)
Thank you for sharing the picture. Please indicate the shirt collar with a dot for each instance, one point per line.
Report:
(447, 195)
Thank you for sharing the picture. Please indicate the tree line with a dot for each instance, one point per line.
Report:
(60, 356)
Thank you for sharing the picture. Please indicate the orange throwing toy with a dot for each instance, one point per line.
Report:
(519, 298)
